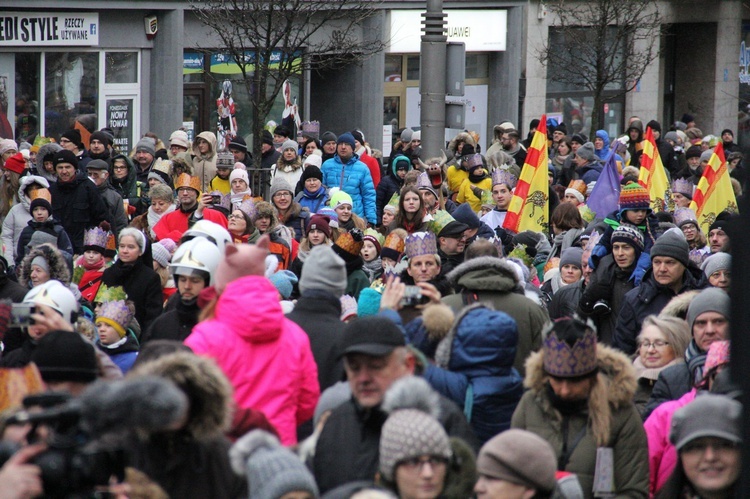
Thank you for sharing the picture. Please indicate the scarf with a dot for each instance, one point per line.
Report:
(373, 269)
(695, 358)
(565, 407)
(651, 373)
(153, 218)
(236, 200)
(348, 225)
(117, 344)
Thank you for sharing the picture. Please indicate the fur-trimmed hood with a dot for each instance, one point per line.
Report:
(207, 388)
(678, 306)
(615, 387)
(25, 182)
(288, 167)
(461, 137)
(485, 273)
(58, 268)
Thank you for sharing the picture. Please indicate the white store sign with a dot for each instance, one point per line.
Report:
(34, 29)
(481, 30)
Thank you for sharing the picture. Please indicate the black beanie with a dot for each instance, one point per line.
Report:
(267, 138)
(655, 125)
(101, 137)
(73, 135)
(41, 202)
(328, 137)
(65, 356)
(311, 171)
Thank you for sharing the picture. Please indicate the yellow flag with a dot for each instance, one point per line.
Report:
(652, 175)
(714, 192)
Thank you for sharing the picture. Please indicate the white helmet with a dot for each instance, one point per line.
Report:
(214, 232)
(55, 295)
(198, 257)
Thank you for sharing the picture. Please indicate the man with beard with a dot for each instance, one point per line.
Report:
(99, 147)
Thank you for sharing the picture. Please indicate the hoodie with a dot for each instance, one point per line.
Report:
(204, 165)
(18, 217)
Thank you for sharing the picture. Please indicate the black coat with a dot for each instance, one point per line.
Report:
(176, 324)
(142, 285)
(388, 185)
(673, 383)
(78, 206)
(565, 301)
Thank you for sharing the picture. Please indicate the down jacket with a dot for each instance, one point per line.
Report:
(478, 353)
(611, 420)
(354, 178)
(266, 357)
(18, 217)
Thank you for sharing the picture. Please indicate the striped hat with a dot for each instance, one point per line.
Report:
(634, 197)
(629, 234)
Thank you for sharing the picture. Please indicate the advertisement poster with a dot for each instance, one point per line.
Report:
(120, 120)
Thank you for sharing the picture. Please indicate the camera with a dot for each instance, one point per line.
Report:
(20, 314)
(215, 198)
(413, 296)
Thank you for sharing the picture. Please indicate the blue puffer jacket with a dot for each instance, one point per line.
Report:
(479, 351)
(357, 182)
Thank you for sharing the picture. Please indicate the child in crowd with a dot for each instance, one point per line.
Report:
(114, 338)
(162, 257)
(477, 181)
(224, 166)
(89, 267)
(48, 230)
(240, 187)
(289, 164)
(318, 232)
(347, 219)
(370, 253)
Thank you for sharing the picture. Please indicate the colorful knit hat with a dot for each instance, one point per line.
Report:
(333, 217)
(569, 349)
(95, 239)
(107, 294)
(375, 237)
(117, 314)
(683, 216)
(349, 244)
(393, 246)
(503, 176)
(683, 186)
(284, 280)
(634, 197)
(340, 197)
(348, 307)
(421, 243)
(629, 234)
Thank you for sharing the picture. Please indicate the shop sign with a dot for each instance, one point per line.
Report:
(481, 30)
(36, 29)
(120, 121)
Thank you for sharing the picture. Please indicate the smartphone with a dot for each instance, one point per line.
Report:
(413, 296)
(215, 198)
(20, 314)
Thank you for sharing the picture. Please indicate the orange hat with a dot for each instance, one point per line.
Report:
(185, 180)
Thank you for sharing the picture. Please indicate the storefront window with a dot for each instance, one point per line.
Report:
(71, 91)
(412, 67)
(27, 97)
(393, 68)
(122, 67)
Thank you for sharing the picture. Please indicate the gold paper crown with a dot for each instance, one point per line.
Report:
(163, 165)
(42, 193)
(395, 242)
(578, 185)
(185, 180)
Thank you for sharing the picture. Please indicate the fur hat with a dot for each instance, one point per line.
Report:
(569, 348)
(326, 272)
(117, 314)
(672, 244)
(693, 152)
(65, 356)
(708, 300)
(587, 152)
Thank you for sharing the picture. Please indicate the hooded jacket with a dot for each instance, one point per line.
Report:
(354, 178)
(58, 268)
(389, 185)
(610, 418)
(143, 286)
(127, 187)
(604, 151)
(49, 226)
(18, 217)
(204, 167)
(478, 353)
(635, 148)
(494, 281)
(266, 357)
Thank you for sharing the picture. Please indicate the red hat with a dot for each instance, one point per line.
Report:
(320, 222)
(15, 163)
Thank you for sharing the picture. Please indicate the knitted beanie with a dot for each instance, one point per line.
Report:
(239, 173)
(311, 171)
(313, 159)
(40, 201)
(409, 433)
(65, 156)
(672, 244)
(146, 144)
(328, 137)
(267, 138)
(706, 155)
(634, 197)
(160, 254)
(72, 135)
(587, 152)
(180, 138)
(346, 138)
(324, 270)
(238, 144)
(708, 300)
(629, 234)
(284, 280)
(571, 256)
(319, 222)
(289, 144)
(717, 261)
(15, 163)
(279, 184)
(693, 152)
(466, 215)
(520, 457)
(340, 197)
(65, 356)
(224, 159)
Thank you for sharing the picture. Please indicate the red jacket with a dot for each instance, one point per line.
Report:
(174, 225)
(372, 165)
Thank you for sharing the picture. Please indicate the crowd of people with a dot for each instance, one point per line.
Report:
(369, 329)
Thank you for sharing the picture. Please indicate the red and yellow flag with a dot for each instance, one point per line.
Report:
(714, 192)
(529, 208)
(652, 175)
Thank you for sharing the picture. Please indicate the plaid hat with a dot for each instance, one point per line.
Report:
(319, 222)
(376, 336)
(65, 356)
(569, 348)
(709, 415)
(672, 244)
(520, 457)
(629, 234)
(634, 197)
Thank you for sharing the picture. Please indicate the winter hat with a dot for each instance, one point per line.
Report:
(65, 356)
(655, 125)
(289, 144)
(279, 184)
(224, 159)
(406, 135)
(7, 145)
(340, 197)
(239, 173)
(571, 256)
(311, 171)
(578, 137)
(409, 433)
(272, 470)
(466, 215)
(72, 135)
(672, 136)
(359, 137)
(40, 261)
(709, 415)
(416, 135)
(146, 144)
(634, 197)
(319, 222)
(160, 254)
(376, 336)
(520, 457)
(723, 221)
(281, 130)
(376, 238)
(238, 143)
(331, 398)
(346, 138)
(179, 138)
(693, 152)
(348, 307)
(587, 152)
(569, 348)
(267, 138)
(117, 314)
(41, 197)
(328, 137)
(65, 156)
(706, 155)
(368, 304)
(717, 261)
(40, 237)
(168, 244)
(708, 300)
(241, 260)
(672, 244)
(629, 234)
(15, 163)
(313, 159)
(323, 270)
(576, 193)
(333, 217)
(284, 280)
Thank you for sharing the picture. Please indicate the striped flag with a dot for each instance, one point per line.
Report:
(652, 175)
(714, 192)
(529, 208)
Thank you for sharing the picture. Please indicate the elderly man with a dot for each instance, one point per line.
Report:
(98, 172)
(671, 273)
(375, 356)
(708, 317)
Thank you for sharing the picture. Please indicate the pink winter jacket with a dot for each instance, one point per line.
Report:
(662, 456)
(266, 357)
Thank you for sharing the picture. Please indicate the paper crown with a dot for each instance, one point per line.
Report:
(111, 248)
(578, 185)
(163, 165)
(393, 246)
(107, 294)
(375, 237)
(394, 200)
(503, 176)
(348, 307)
(117, 314)
(683, 186)
(248, 207)
(96, 237)
(311, 129)
(498, 243)
(421, 243)
(424, 182)
(42, 193)
(487, 200)
(685, 215)
(440, 220)
(350, 242)
(185, 180)
(564, 361)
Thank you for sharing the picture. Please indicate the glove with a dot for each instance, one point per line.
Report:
(504, 236)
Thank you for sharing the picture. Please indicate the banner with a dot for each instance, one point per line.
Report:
(44, 29)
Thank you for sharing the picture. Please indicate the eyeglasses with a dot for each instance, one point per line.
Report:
(283, 194)
(64, 141)
(656, 344)
(415, 464)
(237, 217)
(185, 189)
(119, 167)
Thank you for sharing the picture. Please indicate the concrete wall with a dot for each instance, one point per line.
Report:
(505, 75)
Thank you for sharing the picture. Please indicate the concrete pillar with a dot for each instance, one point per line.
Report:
(726, 75)
(536, 72)
(505, 75)
(164, 110)
(373, 70)
(645, 100)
